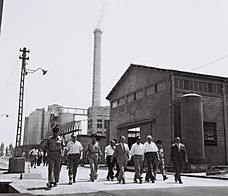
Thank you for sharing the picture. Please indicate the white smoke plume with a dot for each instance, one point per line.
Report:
(102, 12)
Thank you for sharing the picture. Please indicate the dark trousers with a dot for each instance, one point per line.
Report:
(54, 166)
(110, 167)
(73, 161)
(151, 164)
(117, 167)
(177, 167)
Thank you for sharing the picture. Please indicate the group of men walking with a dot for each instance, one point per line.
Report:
(116, 154)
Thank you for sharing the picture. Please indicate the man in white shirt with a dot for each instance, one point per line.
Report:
(151, 155)
(74, 153)
(33, 156)
(137, 151)
(109, 150)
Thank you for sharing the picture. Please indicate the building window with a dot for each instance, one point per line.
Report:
(99, 133)
(99, 123)
(121, 101)
(134, 132)
(161, 86)
(130, 97)
(209, 87)
(210, 133)
(181, 84)
(190, 85)
(185, 84)
(139, 94)
(150, 90)
(114, 104)
(196, 86)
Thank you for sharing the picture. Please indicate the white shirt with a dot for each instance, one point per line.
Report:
(109, 150)
(74, 148)
(137, 149)
(152, 147)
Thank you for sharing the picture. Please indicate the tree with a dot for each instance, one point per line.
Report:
(11, 149)
(2, 149)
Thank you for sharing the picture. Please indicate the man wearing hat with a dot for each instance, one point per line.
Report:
(93, 153)
(151, 155)
(54, 148)
(137, 151)
(74, 154)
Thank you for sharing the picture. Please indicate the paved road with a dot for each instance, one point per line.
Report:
(191, 186)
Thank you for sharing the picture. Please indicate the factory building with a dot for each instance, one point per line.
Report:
(168, 103)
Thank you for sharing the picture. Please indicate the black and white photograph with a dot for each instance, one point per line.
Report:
(114, 97)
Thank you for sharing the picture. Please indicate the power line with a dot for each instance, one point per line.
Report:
(211, 62)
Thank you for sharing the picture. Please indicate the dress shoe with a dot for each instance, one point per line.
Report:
(124, 181)
(135, 180)
(70, 183)
(140, 180)
(119, 181)
(175, 177)
(165, 178)
(49, 185)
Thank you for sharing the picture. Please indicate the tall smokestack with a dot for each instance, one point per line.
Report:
(97, 68)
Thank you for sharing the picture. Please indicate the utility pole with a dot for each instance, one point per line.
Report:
(21, 96)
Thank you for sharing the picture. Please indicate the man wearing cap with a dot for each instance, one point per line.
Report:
(151, 155)
(122, 155)
(74, 153)
(178, 156)
(54, 148)
(137, 151)
(93, 153)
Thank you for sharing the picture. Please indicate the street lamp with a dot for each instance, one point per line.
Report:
(6, 115)
(27, 71)
(24, 72)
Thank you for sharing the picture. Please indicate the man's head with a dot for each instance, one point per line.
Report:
(149, 138)
(177, 140)
(122, 139)
(159, 143)
(138, 139)
(112, 143)
(73, 137)
(93, 137)
(55, 130)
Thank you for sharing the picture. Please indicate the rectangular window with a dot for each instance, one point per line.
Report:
(121, 101)
(200, 86)
(181, 84)
(176, 83)
(186, 84)
(99, 123)
(139, 94)
(219, 89)
(205, 87)
(130, 97)
(196, 86)
(209, 87)
(190, 85)
(150, 90)
(210, 133)
(161, 86)
(114, 104)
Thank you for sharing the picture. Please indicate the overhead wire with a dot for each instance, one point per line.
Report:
(211, 62)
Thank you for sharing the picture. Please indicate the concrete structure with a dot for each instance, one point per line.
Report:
(97, 68)
(34, 127)
(97, 120)
(37, 125)
(147, 100)
(97, 114)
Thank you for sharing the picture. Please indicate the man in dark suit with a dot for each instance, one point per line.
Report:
(178, 156)
(122, 155)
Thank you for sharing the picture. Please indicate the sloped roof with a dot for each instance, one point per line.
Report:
(176, 72)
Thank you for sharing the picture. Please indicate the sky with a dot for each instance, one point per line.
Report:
(187, 35)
